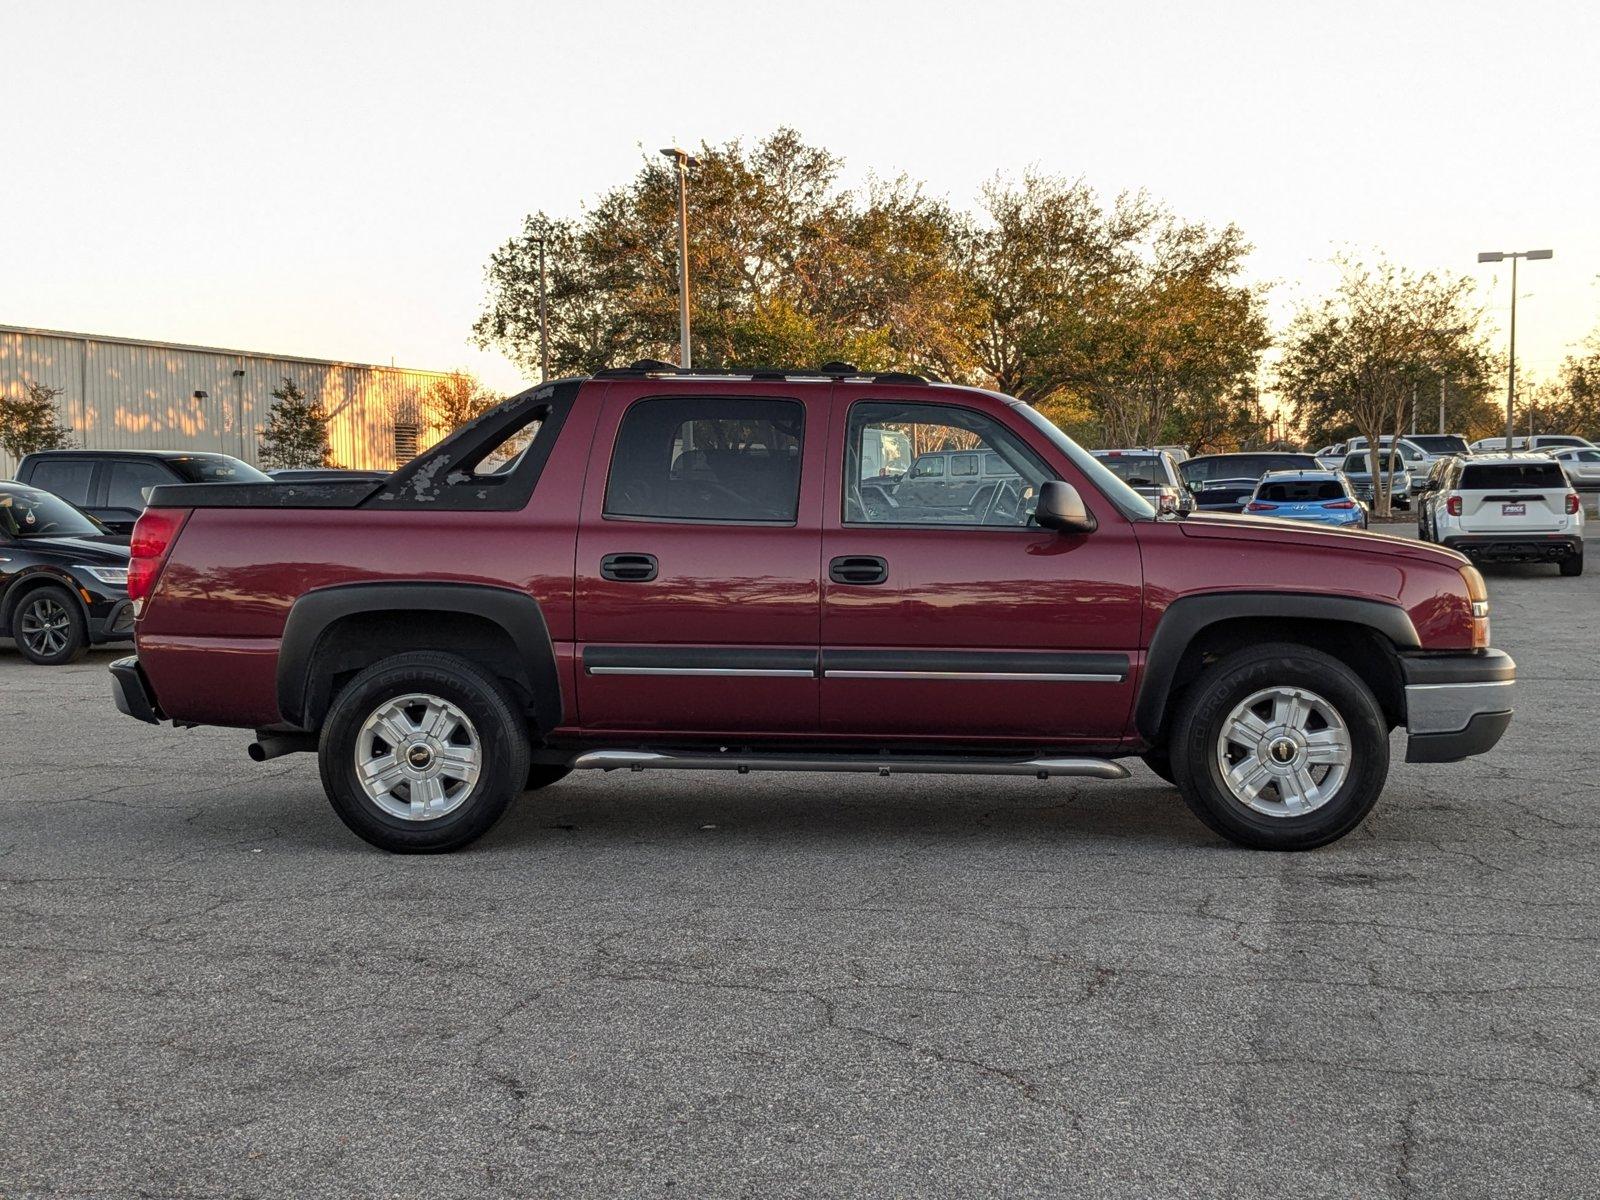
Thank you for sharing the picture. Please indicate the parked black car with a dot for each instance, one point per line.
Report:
(63, 578)
(1225, 482)
(109, 485)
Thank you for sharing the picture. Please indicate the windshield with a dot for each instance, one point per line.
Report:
(1136, 470)
(26, 513)
(1244, 466)
(1128, 501)
(217, 468)
(1513, 475)
(1441, 443)
(1357, 463)
(1300, 491)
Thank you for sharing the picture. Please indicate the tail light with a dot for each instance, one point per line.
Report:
(1453, 506)
(1260, 506)
(1340, 504)
(1478, 596)
(1572, 504)
(153, 535)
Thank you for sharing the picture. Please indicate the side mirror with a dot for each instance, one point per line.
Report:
(1061, 508)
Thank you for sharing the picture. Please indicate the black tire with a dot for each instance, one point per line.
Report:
(1207, 705)
(542, 775)
(1572, 566)
(49, 628)
(1158, 762)
(502, 739)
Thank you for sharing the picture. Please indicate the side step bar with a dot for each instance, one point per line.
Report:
(1041, 768)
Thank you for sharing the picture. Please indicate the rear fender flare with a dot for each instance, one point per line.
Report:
(516, 613)
(1188, 616)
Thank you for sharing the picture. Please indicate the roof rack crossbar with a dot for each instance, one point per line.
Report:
(646, 367)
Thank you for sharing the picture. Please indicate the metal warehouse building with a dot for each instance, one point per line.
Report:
(127, 394)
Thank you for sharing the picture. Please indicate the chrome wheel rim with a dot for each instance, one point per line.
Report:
(418, 757)
(1284, 752)
(46, 627)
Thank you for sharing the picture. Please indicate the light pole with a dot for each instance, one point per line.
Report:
(544, 323)
(684, 161)
(1494, 256)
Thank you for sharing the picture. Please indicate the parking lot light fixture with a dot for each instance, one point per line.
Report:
(1494, 256)
(683, 161)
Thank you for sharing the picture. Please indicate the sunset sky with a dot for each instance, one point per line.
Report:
(329, 179)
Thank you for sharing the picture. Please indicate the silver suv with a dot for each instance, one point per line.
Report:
(1505, 508)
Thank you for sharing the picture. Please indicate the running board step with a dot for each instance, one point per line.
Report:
(1041, 768)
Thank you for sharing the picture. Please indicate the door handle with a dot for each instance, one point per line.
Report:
(859, 569)
(629, 568)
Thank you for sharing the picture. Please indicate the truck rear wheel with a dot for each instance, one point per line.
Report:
(422, 753)
(1280, 747)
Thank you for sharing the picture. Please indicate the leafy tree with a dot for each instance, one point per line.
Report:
(786, 268)
(296, 432)
(456, 399)
(31, 422)
(1356, 358)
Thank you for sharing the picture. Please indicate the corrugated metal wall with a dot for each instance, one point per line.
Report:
(125, 394)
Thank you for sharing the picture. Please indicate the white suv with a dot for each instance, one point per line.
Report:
(1505, 508)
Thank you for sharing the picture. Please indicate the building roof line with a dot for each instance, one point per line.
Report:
(157, 345)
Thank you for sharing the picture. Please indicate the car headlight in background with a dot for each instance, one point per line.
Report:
(115, 576)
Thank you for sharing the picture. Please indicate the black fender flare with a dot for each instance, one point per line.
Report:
(31, 579)
(517, 613)
(1187, 616)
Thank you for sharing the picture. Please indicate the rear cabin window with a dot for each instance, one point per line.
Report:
(708, 459)
(65, 477)
(1481, 476)
(1302, 491)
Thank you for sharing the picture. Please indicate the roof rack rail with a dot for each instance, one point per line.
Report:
(828, 370)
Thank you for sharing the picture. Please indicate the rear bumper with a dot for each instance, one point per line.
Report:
(1516, 547)
(1457, 705)
(131, 690)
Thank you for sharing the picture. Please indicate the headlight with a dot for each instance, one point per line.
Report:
(116, 576)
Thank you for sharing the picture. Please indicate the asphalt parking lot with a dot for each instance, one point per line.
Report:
(799, 985)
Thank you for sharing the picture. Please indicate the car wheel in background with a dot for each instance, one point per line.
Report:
(1280, 747)
(422, 753)
(49, 628)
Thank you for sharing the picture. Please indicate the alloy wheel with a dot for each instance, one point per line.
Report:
(1284, 751)
(418, 757)
(46, 627)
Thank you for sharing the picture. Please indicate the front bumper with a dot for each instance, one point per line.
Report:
(131, 690)
(1516, 547)
(115, 626)
(1457, 705)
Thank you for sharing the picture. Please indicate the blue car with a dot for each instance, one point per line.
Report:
(1324, 497)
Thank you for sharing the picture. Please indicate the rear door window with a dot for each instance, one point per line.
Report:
(68, 478)
(127, 481)
(710, 459)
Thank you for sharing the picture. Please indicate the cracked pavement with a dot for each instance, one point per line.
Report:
(788, 985)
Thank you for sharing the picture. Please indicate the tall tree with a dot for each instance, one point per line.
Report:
(456, 399)
(31, 422)
(1357, 357)
(296, 432)
(787, 268)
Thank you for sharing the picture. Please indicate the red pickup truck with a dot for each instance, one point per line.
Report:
(796, 571)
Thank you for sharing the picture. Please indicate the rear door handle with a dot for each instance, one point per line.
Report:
(629, 568)
(859, 569)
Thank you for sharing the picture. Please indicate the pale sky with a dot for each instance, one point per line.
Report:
(328, 179)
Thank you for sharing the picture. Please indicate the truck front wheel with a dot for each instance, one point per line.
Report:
(422, 753)
(1280, 747)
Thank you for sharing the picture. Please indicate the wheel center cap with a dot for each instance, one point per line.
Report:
(1283, 751)
(419, 757)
